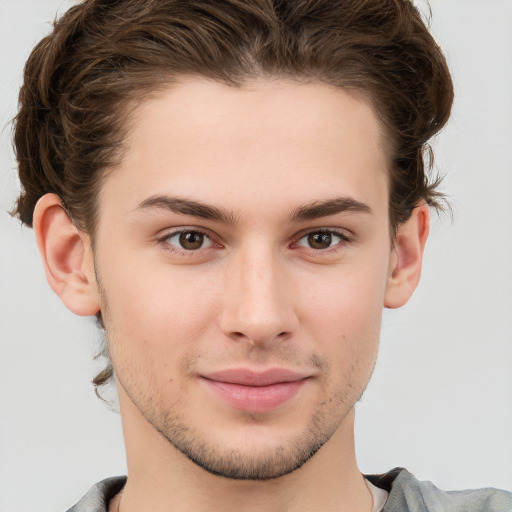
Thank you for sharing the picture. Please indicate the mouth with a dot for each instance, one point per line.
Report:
(251, 391)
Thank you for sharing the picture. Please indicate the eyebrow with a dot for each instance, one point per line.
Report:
(315, 210)
(187, 207)
(319, 209)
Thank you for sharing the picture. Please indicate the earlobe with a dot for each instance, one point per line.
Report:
(66, 255)
(406, 258)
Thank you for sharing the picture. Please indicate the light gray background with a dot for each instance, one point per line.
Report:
(440, 402)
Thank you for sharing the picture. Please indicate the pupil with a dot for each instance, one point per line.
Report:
(320, 240)
(191, 240)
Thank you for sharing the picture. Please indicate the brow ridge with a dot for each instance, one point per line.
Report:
(187, 207)
(319, 209)
(314, 210)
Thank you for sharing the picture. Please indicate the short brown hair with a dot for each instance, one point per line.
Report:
(104, 56)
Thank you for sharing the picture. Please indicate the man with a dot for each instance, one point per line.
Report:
(235, 191)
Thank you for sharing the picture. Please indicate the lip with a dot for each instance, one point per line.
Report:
(252, 391)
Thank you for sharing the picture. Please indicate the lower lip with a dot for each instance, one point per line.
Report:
(255, 398)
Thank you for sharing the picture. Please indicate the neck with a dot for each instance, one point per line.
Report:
(160, 478)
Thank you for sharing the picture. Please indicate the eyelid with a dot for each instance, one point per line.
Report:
(166, 236)
(345, 236)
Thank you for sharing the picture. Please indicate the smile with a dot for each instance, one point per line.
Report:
(255, 392)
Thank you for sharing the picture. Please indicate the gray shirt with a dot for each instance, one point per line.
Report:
(406, 494)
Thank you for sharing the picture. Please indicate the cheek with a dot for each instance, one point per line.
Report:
(348, 300)
(343, 317)
(155, 312)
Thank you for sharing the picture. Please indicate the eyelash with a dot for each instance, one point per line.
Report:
(344, 240)
(165, 241)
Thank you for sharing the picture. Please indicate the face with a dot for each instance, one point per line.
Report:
(242, 256)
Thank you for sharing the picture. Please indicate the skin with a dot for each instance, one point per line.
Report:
(258, 288)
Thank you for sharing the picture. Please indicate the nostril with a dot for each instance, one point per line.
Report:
(238, 336)
(282, 336)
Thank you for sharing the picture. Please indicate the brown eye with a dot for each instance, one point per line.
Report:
(319, 240)
(322, 240)
(188, 240)
(191, 240)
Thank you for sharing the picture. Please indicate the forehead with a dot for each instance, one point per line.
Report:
(270, 141)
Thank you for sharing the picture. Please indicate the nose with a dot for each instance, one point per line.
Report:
(258, 299)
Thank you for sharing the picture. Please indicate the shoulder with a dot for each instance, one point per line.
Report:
(99, 495)
(407, 494)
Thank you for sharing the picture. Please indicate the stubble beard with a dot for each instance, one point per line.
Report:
(219, 458)
(235, 464)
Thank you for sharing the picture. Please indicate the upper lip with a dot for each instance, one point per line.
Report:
(247, 377)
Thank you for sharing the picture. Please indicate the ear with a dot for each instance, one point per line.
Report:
(406, 257)
(67, 256)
